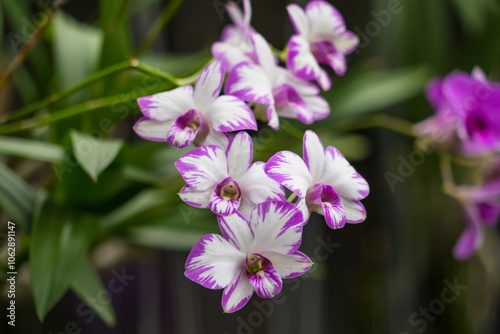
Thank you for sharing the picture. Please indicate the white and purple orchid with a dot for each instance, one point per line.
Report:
(275, 89)
(236, 45)
(324, 182)
(226, 181)
(252, 256)
(186, 115)
(321, 38)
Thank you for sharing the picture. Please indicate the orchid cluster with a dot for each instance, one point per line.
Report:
(261, 229)
(467, 126)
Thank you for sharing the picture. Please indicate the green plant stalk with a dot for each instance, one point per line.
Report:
(379, 120)
(158, 25)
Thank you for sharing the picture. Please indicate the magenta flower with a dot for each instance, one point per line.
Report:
(252, 255)
(236, 45)
(481, 206)
(277, 91)
(324, 181)
(226, 181)
(186, 115)
(321, 38)
(467, 114)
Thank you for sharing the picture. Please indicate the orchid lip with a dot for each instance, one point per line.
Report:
(229, 189)
(254, 263)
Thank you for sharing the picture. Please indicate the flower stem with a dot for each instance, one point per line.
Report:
(379, 120)
(292, 198)
(158, 25)
(447, 174)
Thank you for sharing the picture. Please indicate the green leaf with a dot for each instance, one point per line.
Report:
(473, 12)
(88, 285)
(1, 26)
(94, 155)
(369, 92)
(17, 198)
(59, 243)
(114, 25)
(76, 50)
(165, 237)
(178, 64)
(137, 6)
(32, 149)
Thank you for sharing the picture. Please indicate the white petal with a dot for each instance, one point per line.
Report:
(343, 177)
(354, 211)
(256, 187)
(208, 85)
(231, 54)
(289, 265)
(251, 83)
(324, 19)
(239, 155)
(152, 130)
(314, 155)
(236, 229)
(277, 227)
(220, 139)
(204, 167)
(289, 170)
(299, 19)
(193, 197)
(235, 13)
(229, 113)
(167, 106)
(264, 55)
(213, 262)
(318, 105)
(237, 293)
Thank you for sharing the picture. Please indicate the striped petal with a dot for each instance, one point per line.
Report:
(277, 227)
(324, 19)
(343, 177)
(239, 154)
(289, 170)
(193, 197)
(152, 130)
(208, 86)
(264, 54)
(236, 229)
(354, 211)
(237, 293)
(267, 281)
(229, 113)
(183, 132)
(167, 106)
(225, 205)
(204, 167)
(299, 19)
(250, 83)
(324, 200)
(213, 262)
(289, 265)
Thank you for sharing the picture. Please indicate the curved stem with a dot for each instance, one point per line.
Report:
(379, 120)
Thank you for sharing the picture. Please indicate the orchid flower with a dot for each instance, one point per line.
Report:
(321, 38)
(275, 88)
(236, 45)
(252, 255)
(324, 182)
(466, 112)
(226, 181)
(481, 206)
(186, 115)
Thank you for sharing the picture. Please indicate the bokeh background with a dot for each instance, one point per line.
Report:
(368, 278)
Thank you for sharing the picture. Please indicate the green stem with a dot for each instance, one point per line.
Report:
(379, 120)
(158, 25)
(447, 174)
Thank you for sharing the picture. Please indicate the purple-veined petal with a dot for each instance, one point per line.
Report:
(235, 14)
(314, 154)
(264, 55)
(318, 105)
(213, 262)
(229, 113)
(346, 42)
(299, 19)
(267, 281)
(250, 83)
(342, 176)
(354, 211)
(324, 19)
(195, 198)
(237, 293)
(152, 130)
(239, 154)
(221, 204)
(167, 106)
(204, 167)
(277, 227)
(256, 188)
(230, 54)
(236, 229)
(184, 130)
(220, 139)
(289, 170)
(272, 117)
(289, 265)
(338, 63)
(290, 104)
(472, 236)
(324, 200)
(208, 85)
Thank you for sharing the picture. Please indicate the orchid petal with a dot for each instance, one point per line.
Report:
(183, 132)
(239, 154)
(289, 265)
(204, 167)
(354, 211)
(220, 139)
(208, 85)
(213, 262)
(193, 197)
(314, 154)
(277, 227)
(229, 113)
(222, 205)
(346, 42)
(237, 293)
(235, 13)
(266, 282)
(249, 82)
(301, 61)
(299, 19)
(324, 200)
(230, 55)
(289, 170)
(324, 18)
(472, 236)
(152, 130)
(167, 106)
(236, 229)
(318, 105)
(264, 54)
